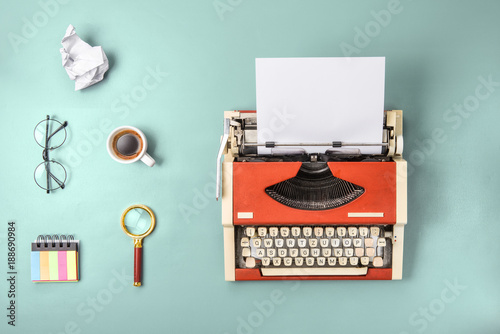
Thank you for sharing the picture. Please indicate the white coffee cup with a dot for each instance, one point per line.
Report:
(141, 154)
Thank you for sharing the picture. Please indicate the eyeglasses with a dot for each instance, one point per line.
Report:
(50, 134)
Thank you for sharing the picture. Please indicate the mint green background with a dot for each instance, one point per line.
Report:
(435, 51)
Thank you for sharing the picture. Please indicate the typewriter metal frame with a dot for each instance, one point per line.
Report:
(384, 179)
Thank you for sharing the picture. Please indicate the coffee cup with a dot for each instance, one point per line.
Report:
(127, 144)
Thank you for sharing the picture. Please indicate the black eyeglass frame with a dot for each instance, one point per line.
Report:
(45, 154)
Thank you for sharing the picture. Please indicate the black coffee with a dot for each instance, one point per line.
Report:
(128, 144)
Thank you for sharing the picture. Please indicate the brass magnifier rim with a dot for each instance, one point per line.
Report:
(145, 234)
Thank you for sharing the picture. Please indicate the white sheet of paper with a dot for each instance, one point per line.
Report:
(83, 63)
(320, 100)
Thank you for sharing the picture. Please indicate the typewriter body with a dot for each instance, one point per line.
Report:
(330, 215)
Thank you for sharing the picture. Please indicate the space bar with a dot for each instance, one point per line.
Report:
(314, 271)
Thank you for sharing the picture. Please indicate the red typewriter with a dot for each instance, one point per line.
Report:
(323, 216)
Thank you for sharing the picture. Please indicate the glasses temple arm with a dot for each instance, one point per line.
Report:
(47, 132)
(57, 130)
(47, 169)
(61, 184)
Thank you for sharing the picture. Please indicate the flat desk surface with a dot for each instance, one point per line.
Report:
(175, 66)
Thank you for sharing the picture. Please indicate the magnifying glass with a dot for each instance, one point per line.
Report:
(138, 221)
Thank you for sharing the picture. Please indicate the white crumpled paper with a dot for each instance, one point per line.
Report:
(83, 63)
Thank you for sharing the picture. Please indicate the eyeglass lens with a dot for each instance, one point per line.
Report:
(50, 175)
(55, 130)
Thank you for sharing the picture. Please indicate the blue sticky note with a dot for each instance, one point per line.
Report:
(35, 266)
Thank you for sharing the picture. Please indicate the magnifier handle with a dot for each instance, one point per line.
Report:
(137, 265)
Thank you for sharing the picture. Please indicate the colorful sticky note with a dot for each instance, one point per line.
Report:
(54, 261)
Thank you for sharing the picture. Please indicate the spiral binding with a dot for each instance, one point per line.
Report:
(54, 240)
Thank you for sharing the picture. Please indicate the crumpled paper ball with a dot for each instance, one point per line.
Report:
(84, 64)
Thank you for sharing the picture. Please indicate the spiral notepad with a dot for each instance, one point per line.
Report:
(54, 259)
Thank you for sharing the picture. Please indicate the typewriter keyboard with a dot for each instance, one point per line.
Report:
(313, 250)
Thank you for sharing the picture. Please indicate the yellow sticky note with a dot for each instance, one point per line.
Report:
(72, 265)
(53, 266)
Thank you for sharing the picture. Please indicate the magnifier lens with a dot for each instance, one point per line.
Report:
(137, 221)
